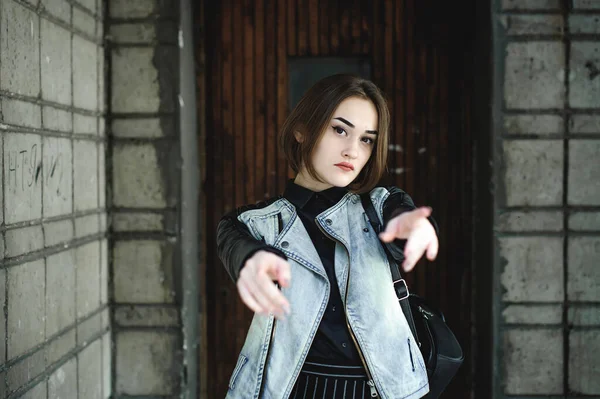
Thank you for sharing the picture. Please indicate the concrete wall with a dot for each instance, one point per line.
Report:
(144, 150)
(547, 191)
(53, 275)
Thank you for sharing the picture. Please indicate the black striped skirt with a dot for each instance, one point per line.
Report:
(321, 381)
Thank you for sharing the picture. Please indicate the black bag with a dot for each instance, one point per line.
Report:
(440, 348)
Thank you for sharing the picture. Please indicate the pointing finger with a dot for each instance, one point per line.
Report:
(283, 273)
(247, 297)
(390, 231)
(278, 304)
(432, 249)
(421, 212)
(401, 225)
(413, 251)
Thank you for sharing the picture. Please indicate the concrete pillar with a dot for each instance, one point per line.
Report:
(547, 193)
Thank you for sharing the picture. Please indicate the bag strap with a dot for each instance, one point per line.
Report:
(400, 286)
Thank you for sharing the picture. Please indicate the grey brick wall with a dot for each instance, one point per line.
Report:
(53, 276)
(547, 198)
(145, 161)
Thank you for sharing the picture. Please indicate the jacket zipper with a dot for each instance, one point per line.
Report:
(370, 383)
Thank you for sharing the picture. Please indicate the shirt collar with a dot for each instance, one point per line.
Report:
(300, 196)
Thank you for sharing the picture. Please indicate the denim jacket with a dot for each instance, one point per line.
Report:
(274, 351)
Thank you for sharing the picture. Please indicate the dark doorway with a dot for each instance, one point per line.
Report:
(419, 52)
(303, 72)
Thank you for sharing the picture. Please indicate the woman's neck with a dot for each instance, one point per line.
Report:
(303, 179)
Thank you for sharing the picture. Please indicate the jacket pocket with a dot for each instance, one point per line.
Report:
(242, 360)
(412, 360)
(416, 358)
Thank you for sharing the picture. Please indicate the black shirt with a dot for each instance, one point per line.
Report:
(332, 343)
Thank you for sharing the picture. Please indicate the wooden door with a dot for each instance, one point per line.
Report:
(419, 57)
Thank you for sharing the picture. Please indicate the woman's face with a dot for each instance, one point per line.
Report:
(345, 145)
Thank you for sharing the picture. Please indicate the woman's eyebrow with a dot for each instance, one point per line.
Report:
(339, 118)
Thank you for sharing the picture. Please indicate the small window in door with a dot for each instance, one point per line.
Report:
(306, 71)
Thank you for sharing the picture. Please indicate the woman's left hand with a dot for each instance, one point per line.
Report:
(418, 232)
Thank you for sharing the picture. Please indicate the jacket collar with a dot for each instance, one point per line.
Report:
(300, 196)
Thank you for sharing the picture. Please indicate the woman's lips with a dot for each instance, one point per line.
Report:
(346, 167)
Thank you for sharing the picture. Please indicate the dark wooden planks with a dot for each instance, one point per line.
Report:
(291, 24)
(238, 89)
(313, 27)
(302, 27)
(324, 24)
(399, 127)
(334, 27)
(387, 82)
(377, 38)
(282, 96)
(248, 103)
(259, 101)
(240, 173)
(223, 295)
(366, 32)
(271, 96)
(345, 35)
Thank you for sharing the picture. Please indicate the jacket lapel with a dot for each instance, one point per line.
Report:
(336, 223)
(295, 244)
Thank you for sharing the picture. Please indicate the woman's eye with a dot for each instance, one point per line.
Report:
(338, 130)
(368, 140)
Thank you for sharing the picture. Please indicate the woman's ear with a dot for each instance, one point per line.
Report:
(299, 137)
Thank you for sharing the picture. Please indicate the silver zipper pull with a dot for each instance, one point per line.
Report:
(371, 385)
(425, 313)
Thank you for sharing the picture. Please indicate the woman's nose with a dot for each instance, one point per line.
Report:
(351, 151)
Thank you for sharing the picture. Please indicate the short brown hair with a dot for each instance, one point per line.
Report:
(314, 112)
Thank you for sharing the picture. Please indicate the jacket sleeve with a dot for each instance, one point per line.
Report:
(235, 244)
(395, 204)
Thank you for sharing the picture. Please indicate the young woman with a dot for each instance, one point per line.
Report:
(327, 320)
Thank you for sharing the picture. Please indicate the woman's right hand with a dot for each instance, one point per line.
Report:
(257, 287)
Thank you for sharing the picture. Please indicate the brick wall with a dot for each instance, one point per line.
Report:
(143, 123)
(53, 276)
(547, 191)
